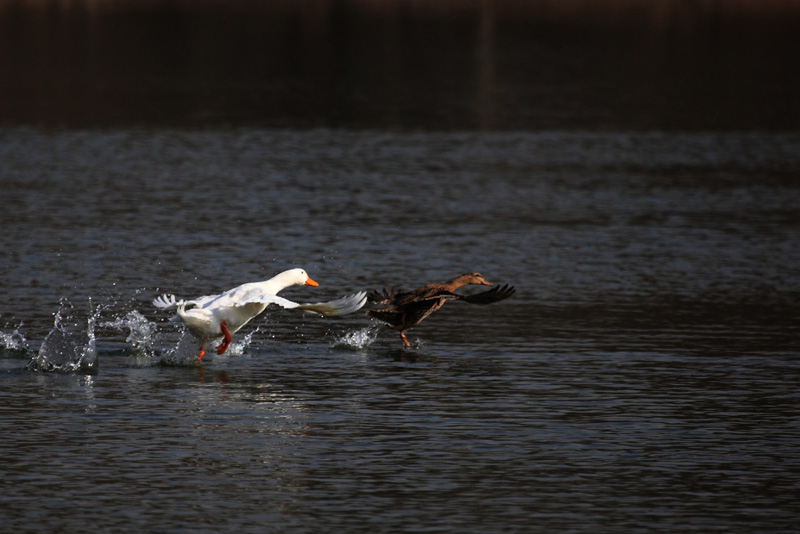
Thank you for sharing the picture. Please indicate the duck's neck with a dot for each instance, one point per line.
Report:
(279, 282)
(458, 281)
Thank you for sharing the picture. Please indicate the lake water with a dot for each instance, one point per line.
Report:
(643, 377)
(632, 168)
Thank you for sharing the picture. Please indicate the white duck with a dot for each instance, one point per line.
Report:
(218, 316)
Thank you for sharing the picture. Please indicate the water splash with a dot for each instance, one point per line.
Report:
(237, 349)
(69, 347)
(13, 341)
(141, 332)
(358, 339)
(185, 351)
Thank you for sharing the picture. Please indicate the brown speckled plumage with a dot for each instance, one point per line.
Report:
(404, 309)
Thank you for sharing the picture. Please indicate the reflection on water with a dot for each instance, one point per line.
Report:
(643, 377)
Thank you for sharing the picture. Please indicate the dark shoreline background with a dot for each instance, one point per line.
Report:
(502, 65)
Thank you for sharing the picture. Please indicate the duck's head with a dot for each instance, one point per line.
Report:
(295, 277)
(470, 279)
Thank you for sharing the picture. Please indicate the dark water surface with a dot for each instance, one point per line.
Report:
(643, 378)
(631, 167)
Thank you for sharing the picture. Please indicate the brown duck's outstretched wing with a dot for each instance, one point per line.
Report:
(496, 294)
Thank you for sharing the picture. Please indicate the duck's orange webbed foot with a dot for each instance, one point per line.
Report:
(200, 354)
(225, 342)
(405, 341)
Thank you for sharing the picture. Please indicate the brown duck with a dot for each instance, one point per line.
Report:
(404, 309)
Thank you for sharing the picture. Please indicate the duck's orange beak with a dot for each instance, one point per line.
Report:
(310, 282)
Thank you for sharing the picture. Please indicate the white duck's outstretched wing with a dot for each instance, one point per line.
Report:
(341, 306)
(256, 297)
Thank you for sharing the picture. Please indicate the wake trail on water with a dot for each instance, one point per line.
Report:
(71, 344)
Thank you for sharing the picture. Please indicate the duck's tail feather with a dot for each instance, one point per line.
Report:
(167, 302)
(383, 296)
(390, 316)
